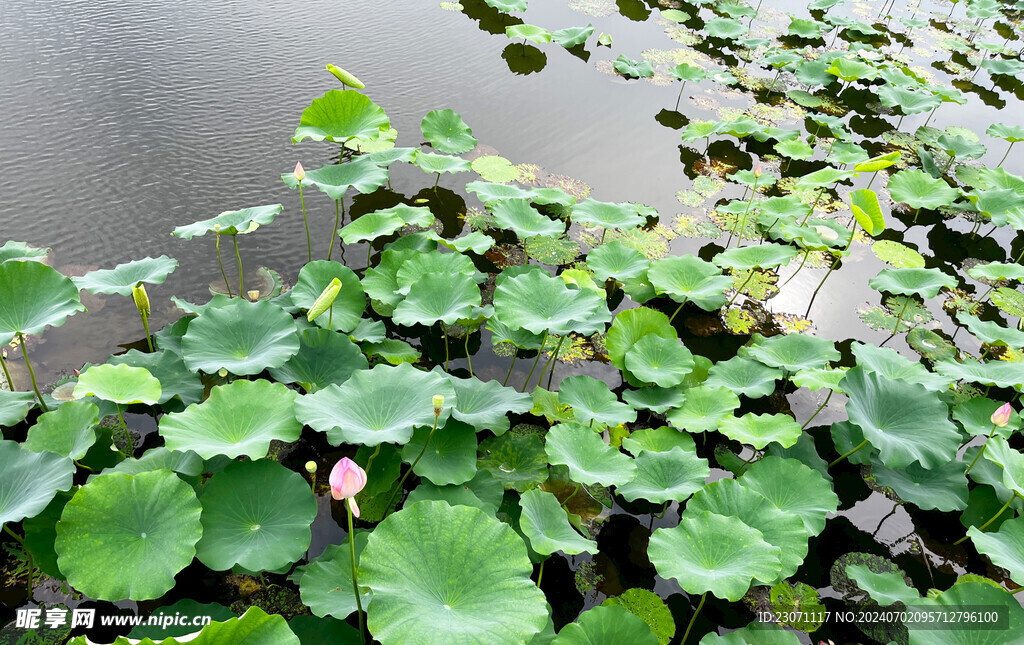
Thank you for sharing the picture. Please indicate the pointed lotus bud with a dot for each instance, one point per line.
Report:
(438, 401)
(311, 467)
(300, 173)
(346, 480)
(254, 295)
(757, 170)
(324, 300)
(1001, 416)
(345, 77)
(141, 299)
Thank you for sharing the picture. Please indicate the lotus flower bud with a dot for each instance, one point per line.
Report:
(254, 295)
(300, 173)
(438, 403)
(757, 170)
(1001, 416)
(324, 300)
(141, 299)
(310, 467)
(345, 77)
(222, 372)
(346, 480)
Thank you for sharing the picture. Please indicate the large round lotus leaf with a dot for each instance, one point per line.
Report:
(348, 305)
(119, 383)
(370, 226)
(1005, 547)
(990, 332)
(518, 461)
(434, 262)
(546, 525)
(488, 192)
(68, 430)
(324, 358)
(380, 405)
(607, 214)
(962, 597)
(975, 415)
(518, 216)
(175, 379)
(123, 277)
(29, 480)
(633, 68)
(918, 189)
(885, 587)
(703, 408)
(654, 398)
(242, 337)
(709, 552)
(904, 421)
(669, 475)
(126, 536)
(589, 458)
(943, 487)
(434, 297)
(793, 352)
(238, 222)
(440, 164)
(254, 627)
(687, 278)
(335, 179)
(759, 430)
(650, 608)
(241, 418)
(662, 361)
(997, 373)
(630, 326)
(325, 584)
(591, 400)
(572, 36)
(14, 406)
(538, 302)
(910, 282)
(483, 492)
(730, 498)
(34, 297)
(186, 463)
(1012, 461)
(507, 5)
(725, 28)
(744, 376)
(447, 132)
(469, 584)
(890, 364)
(616, 260)
(12, 251)
(795, 488)
(256, 514)
(340, 115)
(485, 405)
(533, 33)
(605, 625)
(450, 457)
(660, 439)
(760, 633)
(763, 256)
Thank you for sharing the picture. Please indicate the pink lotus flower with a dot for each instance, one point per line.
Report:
(347, 479)
(757, 169)
(1002, 415)
(300, 172)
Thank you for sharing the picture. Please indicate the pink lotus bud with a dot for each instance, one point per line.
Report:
(347, 479)
(300, 173)
(757, 170)
(1002, 415)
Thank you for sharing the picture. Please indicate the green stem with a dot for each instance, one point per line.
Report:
(220, 261)
(540, 351)
(680, 96)
(468, 357)
(673, 316)
(807, 252)
(821, 191)
(743, 223)
(387, 507)
(848, 453)
(993, 518)
(145, 325)
(820, 408)
(7, 375)
(31, 563)
(1004, 159)
(355, 580)
(369, 252)
(309, 244)
(330, 318)
(603, 233)
(571, 495)
(444, 331)
(899, 318)
(241, 272)
(932, 113)
(982, 451)
(948, 164)
(510, 368)
(738, 291)
(558, 348)
(31, 374)
(337, 221)
(369, 462)
(540, 572)
(693, 618)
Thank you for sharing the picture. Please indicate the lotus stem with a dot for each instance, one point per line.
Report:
(241, 273)
(31, 373)
(678, 309)
(820, 408)
(369, 252)
(438, 180)
(848, 453)
(355, 580)
(540, 572)
(680, 96)
(982, 451)
(468, 357)
(444, 331)
(807, 252)
(772, 85)
(743, 223)
(31, 563)
(540, 350)
(7, 375)
(387, 507)
(551, 374)
(337, 220)
(571, 495)
(693, 618)
(510, 367)
(145, 325)
(830, 270)
(603, 233)
(821, 191)
(558, 348)
(220, 261)
(932, 113)
(737, 294)
(1006, 155)
(899, 318)
(305, 220)
(330, 318)
(369, 462)
(984, 526)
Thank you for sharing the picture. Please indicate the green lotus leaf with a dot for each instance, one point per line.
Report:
(759, 430)
(687, 278)
(744, 376)
(12, 251)
(700, 130)
(489, 193)
(885, 588)
(959, 146)
(176, 381)
(14, 406)
(485, 405)
(607, 214)
(792, 352)
(667, 475)
(591, 401)
(589, 458)
(764, 256)
(385, 158)
(438, 297)
(908, 282)
(348, 305)
(630, 326)
(483, 492)
(881, 162)
(451, 455)
(760, 633)
(898, 255)
(434, 262)
(606, 624)
(890, 364)
(538, 302)
(324, 358)
(507, 5)
(254, 627)
(908, 100)
(975, 415)
(810, 29)
(650, 608)
(943, 487)
(1005, 547)
(186, 463)
(312, 630)
(1011, 133)
(533, 33)
(380, 405)
(186, 608)
(1009, 301)
(319, 585)
(495, 168)
(546, 526)
(334, 180)
(119, 383)
(991, 332)
(794, 488)
(238, 222)
(995, 373)
(730, 498)
(395, 352)
(867, 211)
(1000, 453)
(656, 399)
(918, 189)
(904, 421)
(824, 177)
(517, 215)
(68, 431)
(35, 296)
(572, 36)
(962, 597)
(468, 585)
(447, 132)
(240, 418)
(727, 28)
(709, 552)
(851, 70)
(242, 337)
(126, 536)
(819, 379)
(794, 149)
(703, 408)
(340, 115)
(633, 68)
(618, 261)
(477, 242)
(518, 461)
(440, 164)
(662, 361)
(256, 514)
(30, 480)
(123, 277)
(660, 439)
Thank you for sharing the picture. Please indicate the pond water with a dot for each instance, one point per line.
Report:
(123, 119)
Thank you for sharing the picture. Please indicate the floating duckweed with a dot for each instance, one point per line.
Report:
(575, 187)
(596, 8)
(528, 173)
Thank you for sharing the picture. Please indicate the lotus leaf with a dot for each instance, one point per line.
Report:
(851, 70)
(67, 431)
(123, 277)
(35, 296)
(997, 271)
(1002, 454)
(687, 278)
(438, 297)
(908, 282)
(764, 256)
(447, 132)
(975, 415)
(318, 582)
(991, 332)
(483, 492)
(898, 255)
(253, 627)
(381, 281)
(824, 177)
(591, 401)
(546, 526)
(667, 475)
(745, 376)
(943, 487)
(618, 261)
(341, 115)
(703, 408)
(662, 361)
(649, 607)
(395, 352)
(14, 406)
(507, 5)
(477, 242)
(885, 587)
(1011, 133)
(440, 164)
(792, 352)
(918, 189)
(656, 399)
(518, 216)
(633, 68)
(488, 192)
(760, 633)
(867, 211)
(12, 251)
(727, 28)
(890, 364)
(810, 29)
(590, 460)
(997, 373)
(759, 430)
(451, 458)
(908, 100)
(607, 214)
(532, 33)
(484, 405)
(495, 168)
(516, 460)
(348, 305)
(660, 439)
(961, 597)
(242, 337)
(385, 158)
(630, 326)
(1005, 547)
(794, 149)
(176, 381)
(606, 624)
(540, 303)
(184, 608)
(959, 146)
(120, 384)
(238, 222)
(186, 463)
(324, 358)
(572, 36)
(794, 488)
(434, 262)
(362, 173)
(30, 480)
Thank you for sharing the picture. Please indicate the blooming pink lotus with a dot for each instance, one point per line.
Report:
(347, 479)
(1001, 416)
